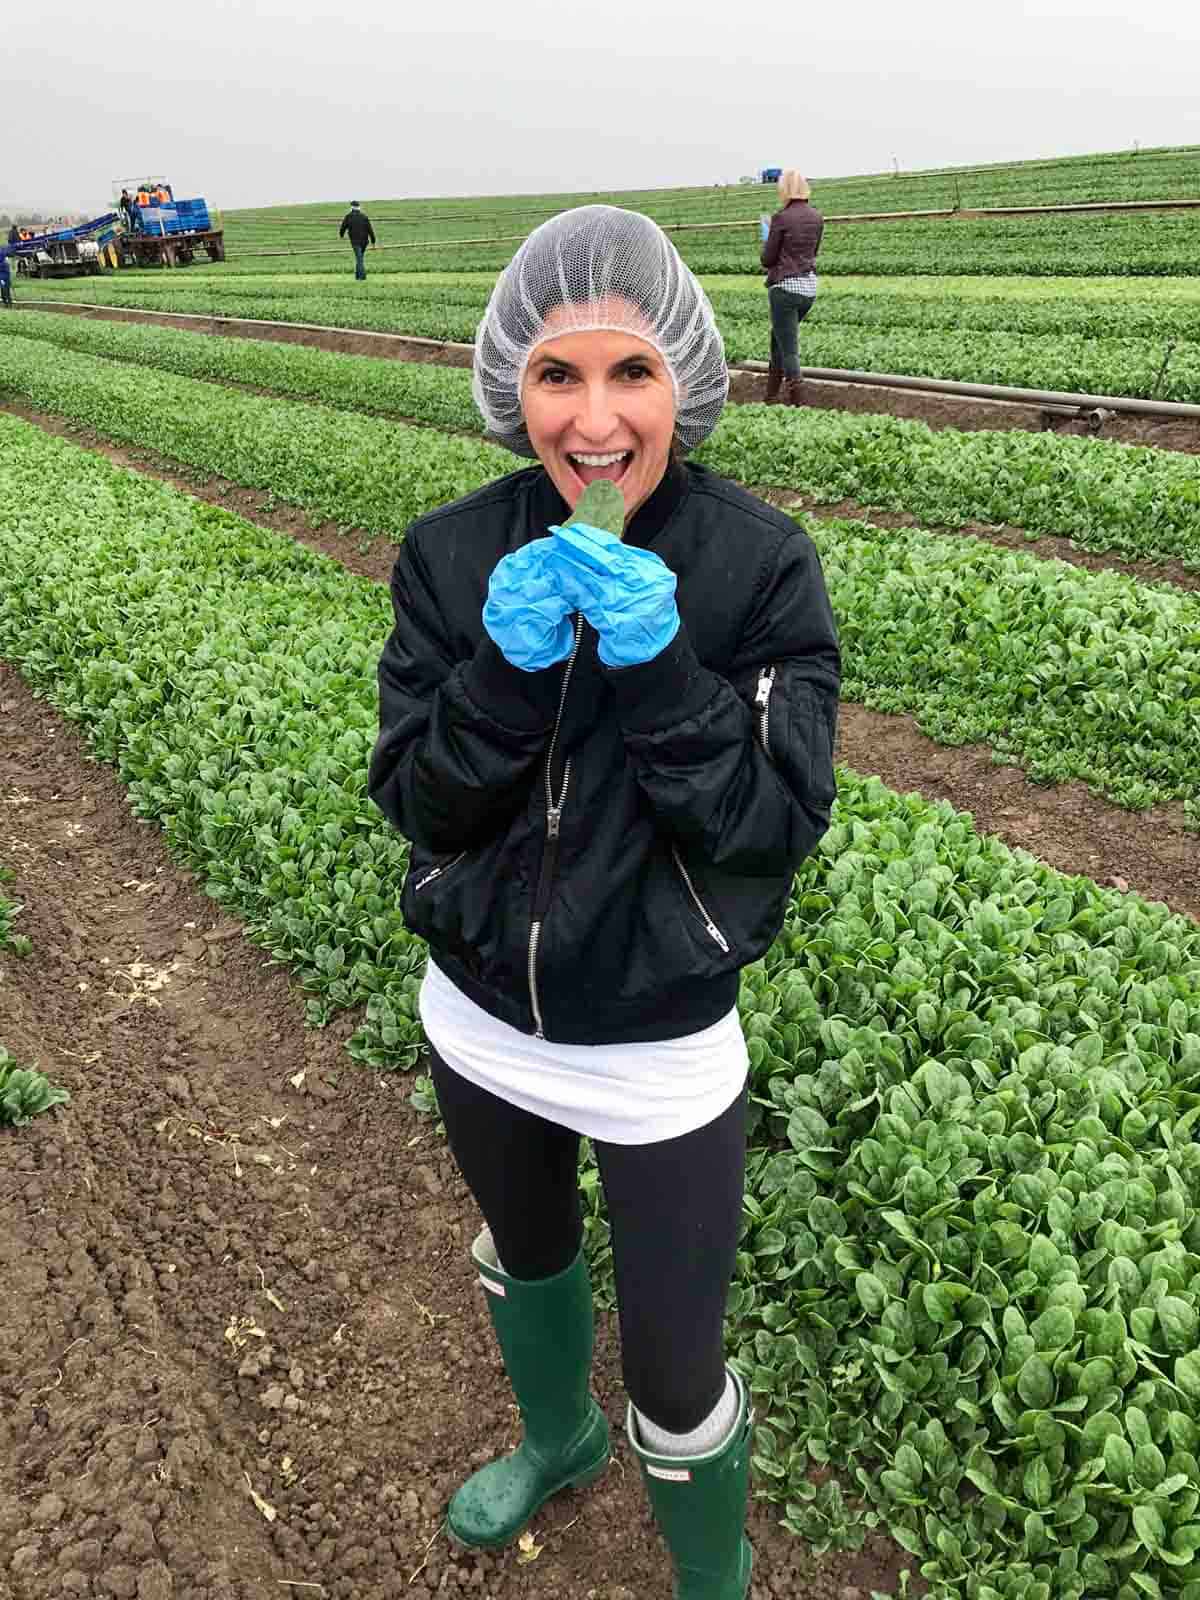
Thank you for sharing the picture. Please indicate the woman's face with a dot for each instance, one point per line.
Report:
(600, 405)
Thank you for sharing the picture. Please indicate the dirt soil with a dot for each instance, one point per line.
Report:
(939, 411)
(241, 1347)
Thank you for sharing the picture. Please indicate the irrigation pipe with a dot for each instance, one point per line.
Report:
(1180, 410)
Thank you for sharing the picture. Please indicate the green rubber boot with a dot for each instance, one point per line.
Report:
(545, 1330)
(700, 1504)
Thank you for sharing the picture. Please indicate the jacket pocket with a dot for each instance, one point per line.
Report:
(698, 907)
(434, 870)
(429, 902)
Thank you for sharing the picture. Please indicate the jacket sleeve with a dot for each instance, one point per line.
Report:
(342, 229)
(459, 738)
(773, 242)
(740, 768)
(371, 233)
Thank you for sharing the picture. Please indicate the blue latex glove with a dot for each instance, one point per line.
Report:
(527, 615)
(627, 594)
(764, 228)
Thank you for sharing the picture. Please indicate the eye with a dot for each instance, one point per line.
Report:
(638, 371)
(554, 377)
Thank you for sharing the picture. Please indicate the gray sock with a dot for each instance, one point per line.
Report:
(711, 1433)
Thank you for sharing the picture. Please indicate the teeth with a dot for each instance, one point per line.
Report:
(599, 461)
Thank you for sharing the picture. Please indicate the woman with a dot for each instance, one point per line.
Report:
(789, 254)
(610, 757)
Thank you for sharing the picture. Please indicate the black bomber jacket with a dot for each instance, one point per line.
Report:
(596, 852)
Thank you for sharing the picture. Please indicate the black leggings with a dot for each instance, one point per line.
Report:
(788, 311)
(675, 1209)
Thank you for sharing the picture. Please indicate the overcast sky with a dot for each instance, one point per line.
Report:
(254, 102)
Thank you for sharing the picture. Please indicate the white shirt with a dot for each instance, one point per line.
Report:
(620, 1093)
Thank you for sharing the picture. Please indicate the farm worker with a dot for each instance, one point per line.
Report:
(610, 755)
(789, 253)
(143, 197)
(125, 205)
(357, 224)
(5, 279)
(14, 234)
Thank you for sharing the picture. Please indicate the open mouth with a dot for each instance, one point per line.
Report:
(589, 467)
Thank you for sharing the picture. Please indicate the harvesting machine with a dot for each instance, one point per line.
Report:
(66, 252)
(166, 232)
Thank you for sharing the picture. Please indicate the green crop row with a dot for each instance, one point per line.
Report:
(1139, 502)
(1102, 308)
(1147, 347)
(1119, 244)
(1071, 674)
(24, 1092)
(357, 470)
(1129, 499)
(432, 394)
(969, 1273)
(1160, 173)
(1067, 673)
(1125, 175)
(9, 910)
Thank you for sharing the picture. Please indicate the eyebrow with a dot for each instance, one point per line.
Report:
(638, 360)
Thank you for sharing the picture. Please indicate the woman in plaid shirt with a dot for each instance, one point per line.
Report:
(789, 253)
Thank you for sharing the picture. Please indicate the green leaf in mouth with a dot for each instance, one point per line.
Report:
(601, 505)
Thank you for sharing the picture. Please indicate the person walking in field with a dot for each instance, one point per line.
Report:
(789, 253)
(357, 224)
(611, 750)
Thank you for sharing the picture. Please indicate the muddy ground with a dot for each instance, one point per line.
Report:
(242, 1352)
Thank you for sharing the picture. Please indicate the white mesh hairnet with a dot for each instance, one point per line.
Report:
(599, 267)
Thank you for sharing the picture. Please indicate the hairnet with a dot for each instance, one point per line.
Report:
(606, 269)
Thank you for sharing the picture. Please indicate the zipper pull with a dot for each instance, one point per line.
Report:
(765, 682)
(553, 813)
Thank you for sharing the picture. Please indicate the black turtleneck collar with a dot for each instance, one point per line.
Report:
(549, 507)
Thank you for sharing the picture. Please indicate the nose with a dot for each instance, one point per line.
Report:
(596, 419)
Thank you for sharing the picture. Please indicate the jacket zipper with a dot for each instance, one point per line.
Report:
(554, 810)
(436, 872)
(710, 926)
(762, 699)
